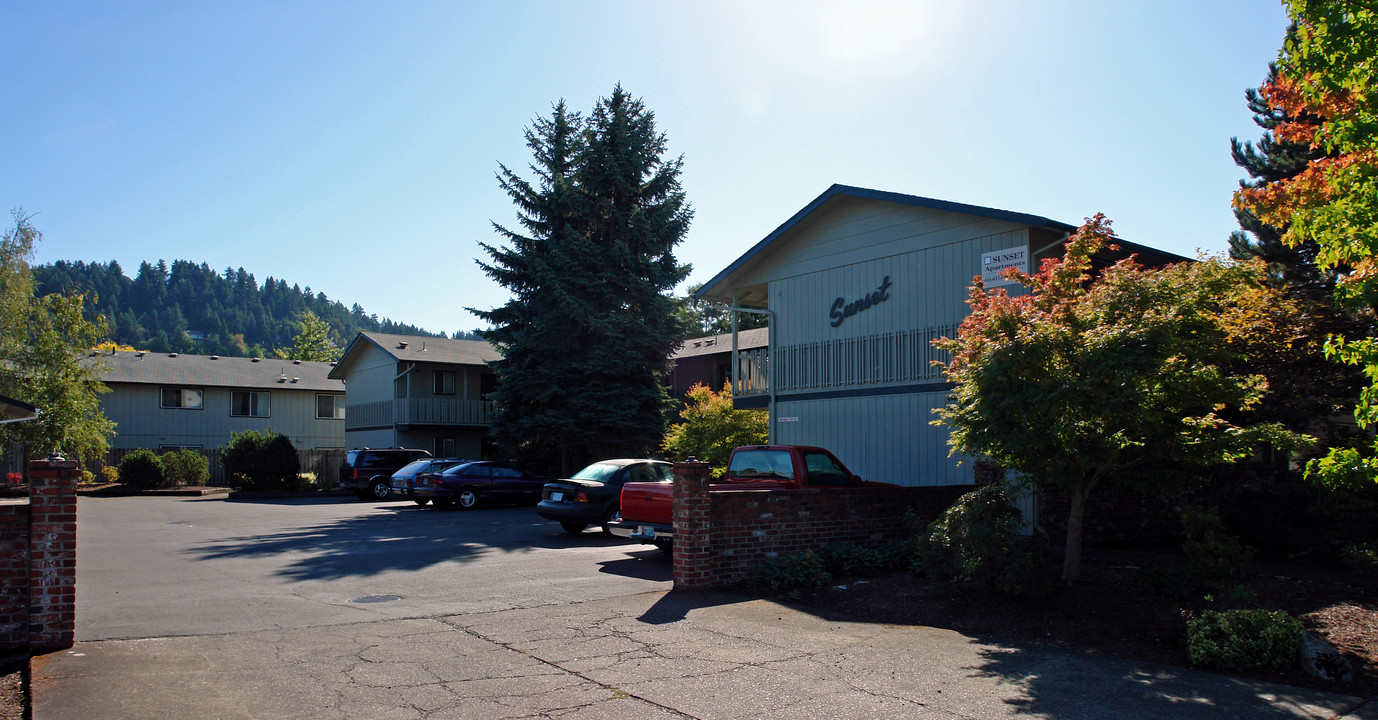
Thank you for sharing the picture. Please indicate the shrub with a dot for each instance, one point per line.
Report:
(1243, 640)
(186, 467)
(1361, 559)
(791, 573)
(142, 469)
(261, 461)
(110, 474)
(87, 476)
(1215, 560)
(850, 559)
(977, 541)
(897, 555)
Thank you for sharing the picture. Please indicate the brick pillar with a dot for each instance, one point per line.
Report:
(692, 561)
(52, 554)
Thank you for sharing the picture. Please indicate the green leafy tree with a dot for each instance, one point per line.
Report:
(1120, 380)
(41, 343)
(312, 343)
(712, 428)
(588, 331)
(1327, 90)
(700, 317)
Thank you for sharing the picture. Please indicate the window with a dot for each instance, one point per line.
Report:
(444, 447)
(184, 398)
(444, 382)
(823, 470)
(773, 464)
(244, 403)
(330, 407)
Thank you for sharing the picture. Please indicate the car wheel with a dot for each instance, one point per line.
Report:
(572, 527)
(379, 490)
(468, 498)
(421, 501)
(442, 504)
(614, 514)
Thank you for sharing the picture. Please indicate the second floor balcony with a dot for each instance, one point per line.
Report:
(405, 412)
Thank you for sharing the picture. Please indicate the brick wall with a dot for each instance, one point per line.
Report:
(721, 536)
(38, 551)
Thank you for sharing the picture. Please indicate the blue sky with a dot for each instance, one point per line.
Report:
(351, 147)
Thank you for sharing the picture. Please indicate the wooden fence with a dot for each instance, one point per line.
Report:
(325, 464)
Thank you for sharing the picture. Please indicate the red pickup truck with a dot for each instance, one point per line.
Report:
(648, 508)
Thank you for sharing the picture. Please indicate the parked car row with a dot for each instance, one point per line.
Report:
(590, 497)
(629, 498)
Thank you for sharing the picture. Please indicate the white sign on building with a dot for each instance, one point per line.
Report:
(994, 263)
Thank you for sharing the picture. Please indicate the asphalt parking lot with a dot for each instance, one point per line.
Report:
(157, 567)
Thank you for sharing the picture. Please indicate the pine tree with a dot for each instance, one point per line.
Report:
(1314, 387)
(1274, 159)
(588, 331)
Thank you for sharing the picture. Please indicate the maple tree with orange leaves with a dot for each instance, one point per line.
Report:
(1328, 84)
(1131, 377)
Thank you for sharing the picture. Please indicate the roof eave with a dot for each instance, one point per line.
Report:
(837, 189)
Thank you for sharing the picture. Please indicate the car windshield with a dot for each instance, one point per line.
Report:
(597, 472)
(773, 464)
(460, 468)
(413, 468)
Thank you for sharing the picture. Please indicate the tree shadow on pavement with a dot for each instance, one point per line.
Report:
(410, 539)
(1070, 684)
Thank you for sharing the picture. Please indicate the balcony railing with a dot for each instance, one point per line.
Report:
(418, 411)
(902, 356)
(753, 372)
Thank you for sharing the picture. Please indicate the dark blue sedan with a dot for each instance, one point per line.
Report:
(472, 483)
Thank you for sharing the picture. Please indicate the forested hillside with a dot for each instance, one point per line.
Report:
(191, 308)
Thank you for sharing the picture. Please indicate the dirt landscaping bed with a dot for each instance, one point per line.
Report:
(1118, 610)
(13, 702)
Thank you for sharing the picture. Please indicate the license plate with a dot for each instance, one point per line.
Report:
(557, 496)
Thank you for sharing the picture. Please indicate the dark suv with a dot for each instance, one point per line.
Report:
(369, 472)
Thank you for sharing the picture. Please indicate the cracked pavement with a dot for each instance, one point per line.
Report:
(643, 656)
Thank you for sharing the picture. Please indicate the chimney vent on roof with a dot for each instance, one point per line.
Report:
(254, 359)
(401, 344)
(296, 362)
(141, 354)
(215, 357)
(172, 355)
(295, 379)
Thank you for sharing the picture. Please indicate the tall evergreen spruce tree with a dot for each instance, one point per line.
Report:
(1274, 159)
(588, 332)
(1306, 389)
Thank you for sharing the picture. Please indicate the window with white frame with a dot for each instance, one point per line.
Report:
(181, 398)
(247, 403)
(330, 407)
(444, 382)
